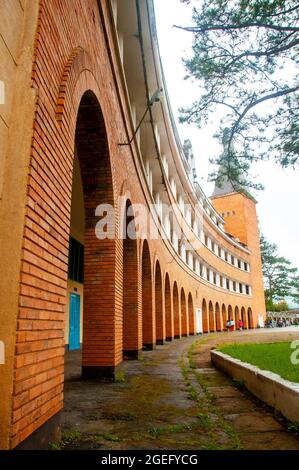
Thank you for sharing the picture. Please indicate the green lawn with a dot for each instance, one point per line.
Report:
(275, 357)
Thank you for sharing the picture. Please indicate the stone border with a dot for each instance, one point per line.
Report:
(280, 394)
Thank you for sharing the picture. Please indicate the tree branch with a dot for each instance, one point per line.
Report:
(268, 53)
(204, 29)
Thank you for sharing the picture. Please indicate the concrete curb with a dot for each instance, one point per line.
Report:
(279, 393)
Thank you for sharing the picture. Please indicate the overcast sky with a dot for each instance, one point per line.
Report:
(277, 206)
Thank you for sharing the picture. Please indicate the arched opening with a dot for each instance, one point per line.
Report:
(250, 318)
(91, 280)
(176, 311)
(191, 316)
(160, 322)
(184, 314)
(148, 330)
(168, 310)
(218, 317)
(131, 322)
(224, 317)
(205, 323)
(211, 317)
(237, 318)
(244, 318)
(230, 314)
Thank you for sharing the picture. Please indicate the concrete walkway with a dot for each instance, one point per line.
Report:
(171, 399)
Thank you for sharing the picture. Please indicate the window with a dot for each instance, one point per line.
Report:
(234, 286)
(214, 278)
(247, 290)
(239, 264)
(227, 284)
(233, 260)
(226, 256)
(201, 270)
(221, 281)
(213, 246)
(76, 256)
(219, 251)
(246, 266)
(240, 288)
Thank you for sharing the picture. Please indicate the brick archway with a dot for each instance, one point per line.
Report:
(250, 318)
(148, 324)
(218, 317)
(176, 311)
(224, 317)
(244, 318)
(159, 314)
(131, 322)
(191, 317)
(230, 314)
(184, 320)
(237, 318)
(205, 322)
(211, 317)
(99, 254)
(168, 310)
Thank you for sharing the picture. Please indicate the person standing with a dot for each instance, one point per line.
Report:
(240, 324)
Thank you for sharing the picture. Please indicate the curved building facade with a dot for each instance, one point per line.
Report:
(108, 243)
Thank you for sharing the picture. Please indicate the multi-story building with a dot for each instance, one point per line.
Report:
(90, 153)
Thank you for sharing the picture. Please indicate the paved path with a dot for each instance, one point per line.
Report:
(171, 399)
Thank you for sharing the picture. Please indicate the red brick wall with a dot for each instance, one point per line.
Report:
(74, 54)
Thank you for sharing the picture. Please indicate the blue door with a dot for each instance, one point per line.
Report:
(74, 332)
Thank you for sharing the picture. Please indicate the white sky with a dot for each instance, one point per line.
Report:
(277, 206)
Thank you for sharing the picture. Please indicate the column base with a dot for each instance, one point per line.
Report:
(184, 335)
(169, 338)
(149, 347)
(177, 336)
(43, 436)
(104, 373)
(132, 355)
(160, 342)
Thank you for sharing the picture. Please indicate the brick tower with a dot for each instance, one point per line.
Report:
(239, 213)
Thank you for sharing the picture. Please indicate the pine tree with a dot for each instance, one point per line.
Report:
(244, 58)
(281, 280)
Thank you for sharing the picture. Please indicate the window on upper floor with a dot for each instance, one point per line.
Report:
(219, 251)
(247, 290)
(214, 278)
(234, 286)
(226, 256)
(76, 256)
(206, 240)
(239, 263)
(227, 284)
(240, 288)
(232, 260)
(246, 266)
